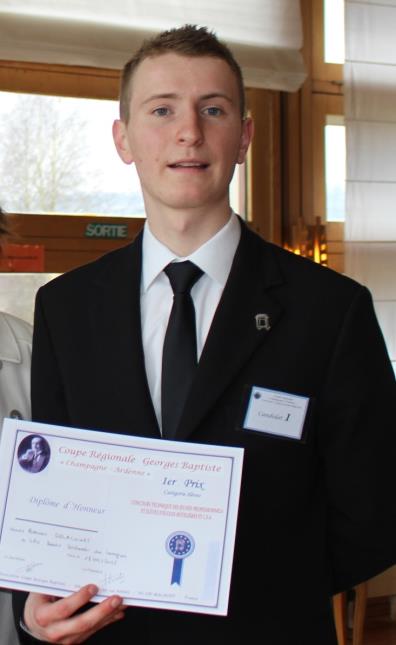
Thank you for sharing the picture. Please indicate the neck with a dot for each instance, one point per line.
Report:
(184, 232)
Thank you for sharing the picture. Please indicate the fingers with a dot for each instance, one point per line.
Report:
(119, 615)
(55, 620)
(77, 628)
(48, 612)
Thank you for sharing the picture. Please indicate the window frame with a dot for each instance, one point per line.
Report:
(303, 121)
(327, 98)
(327, 77)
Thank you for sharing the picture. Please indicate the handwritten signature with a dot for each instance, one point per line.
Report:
(30, 566)
(110, 579)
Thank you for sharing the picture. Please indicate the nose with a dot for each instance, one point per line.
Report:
(190, 129)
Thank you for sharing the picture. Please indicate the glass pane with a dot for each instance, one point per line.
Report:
(238, 190)
(334, 36)
(335, 168)
(57, 156)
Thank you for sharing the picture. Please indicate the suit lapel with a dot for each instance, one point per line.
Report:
(117, 319)
(233, 337)
(234, 334)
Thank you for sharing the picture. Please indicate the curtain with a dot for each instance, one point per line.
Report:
(265, 36)
(370, 100)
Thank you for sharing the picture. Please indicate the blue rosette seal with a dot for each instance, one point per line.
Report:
(179, 545)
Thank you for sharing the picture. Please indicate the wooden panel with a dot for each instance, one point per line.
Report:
(327, 87)
(305, 122)
(62, 260)
(291, 163)
(335, 246)
(383, 584)
(335, 231)
(66, 226)
(59, 80)
(64, 237)
(336, 262)
(264, 198)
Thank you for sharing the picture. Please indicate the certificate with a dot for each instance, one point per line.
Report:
(150, 520)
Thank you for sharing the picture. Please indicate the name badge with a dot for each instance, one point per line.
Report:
(276, 413)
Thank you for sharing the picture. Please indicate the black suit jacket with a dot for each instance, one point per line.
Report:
(316, 516)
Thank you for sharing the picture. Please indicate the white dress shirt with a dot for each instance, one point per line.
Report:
(215, 258)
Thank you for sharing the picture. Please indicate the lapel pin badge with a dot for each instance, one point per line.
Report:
(262, 322)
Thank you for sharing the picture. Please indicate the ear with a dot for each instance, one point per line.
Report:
(120, 137)
(246, 137)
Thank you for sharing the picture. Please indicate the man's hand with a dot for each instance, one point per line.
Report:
(29, 454)
(55, 620)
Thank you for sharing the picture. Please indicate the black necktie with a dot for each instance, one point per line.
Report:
(179, 356)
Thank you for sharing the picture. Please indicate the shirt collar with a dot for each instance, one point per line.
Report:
(214, 257)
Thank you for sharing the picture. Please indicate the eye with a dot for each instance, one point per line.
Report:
(161, 111)
(212, 110)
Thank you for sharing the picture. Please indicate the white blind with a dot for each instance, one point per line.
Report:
(265, 36)
(370, 99)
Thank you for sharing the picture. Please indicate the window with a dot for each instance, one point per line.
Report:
(335, 167)
(328, 50)
(58, 157)
(334, 32)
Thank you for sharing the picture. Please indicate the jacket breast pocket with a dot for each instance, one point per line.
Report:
(275, 414)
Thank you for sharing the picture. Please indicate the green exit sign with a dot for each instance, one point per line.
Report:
(109, 231)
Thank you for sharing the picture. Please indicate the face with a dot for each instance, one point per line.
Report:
(36, 445)
(185, 133)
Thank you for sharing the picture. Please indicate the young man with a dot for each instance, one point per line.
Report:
(317, 513)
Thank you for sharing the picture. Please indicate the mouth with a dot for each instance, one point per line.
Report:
(189, 165)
